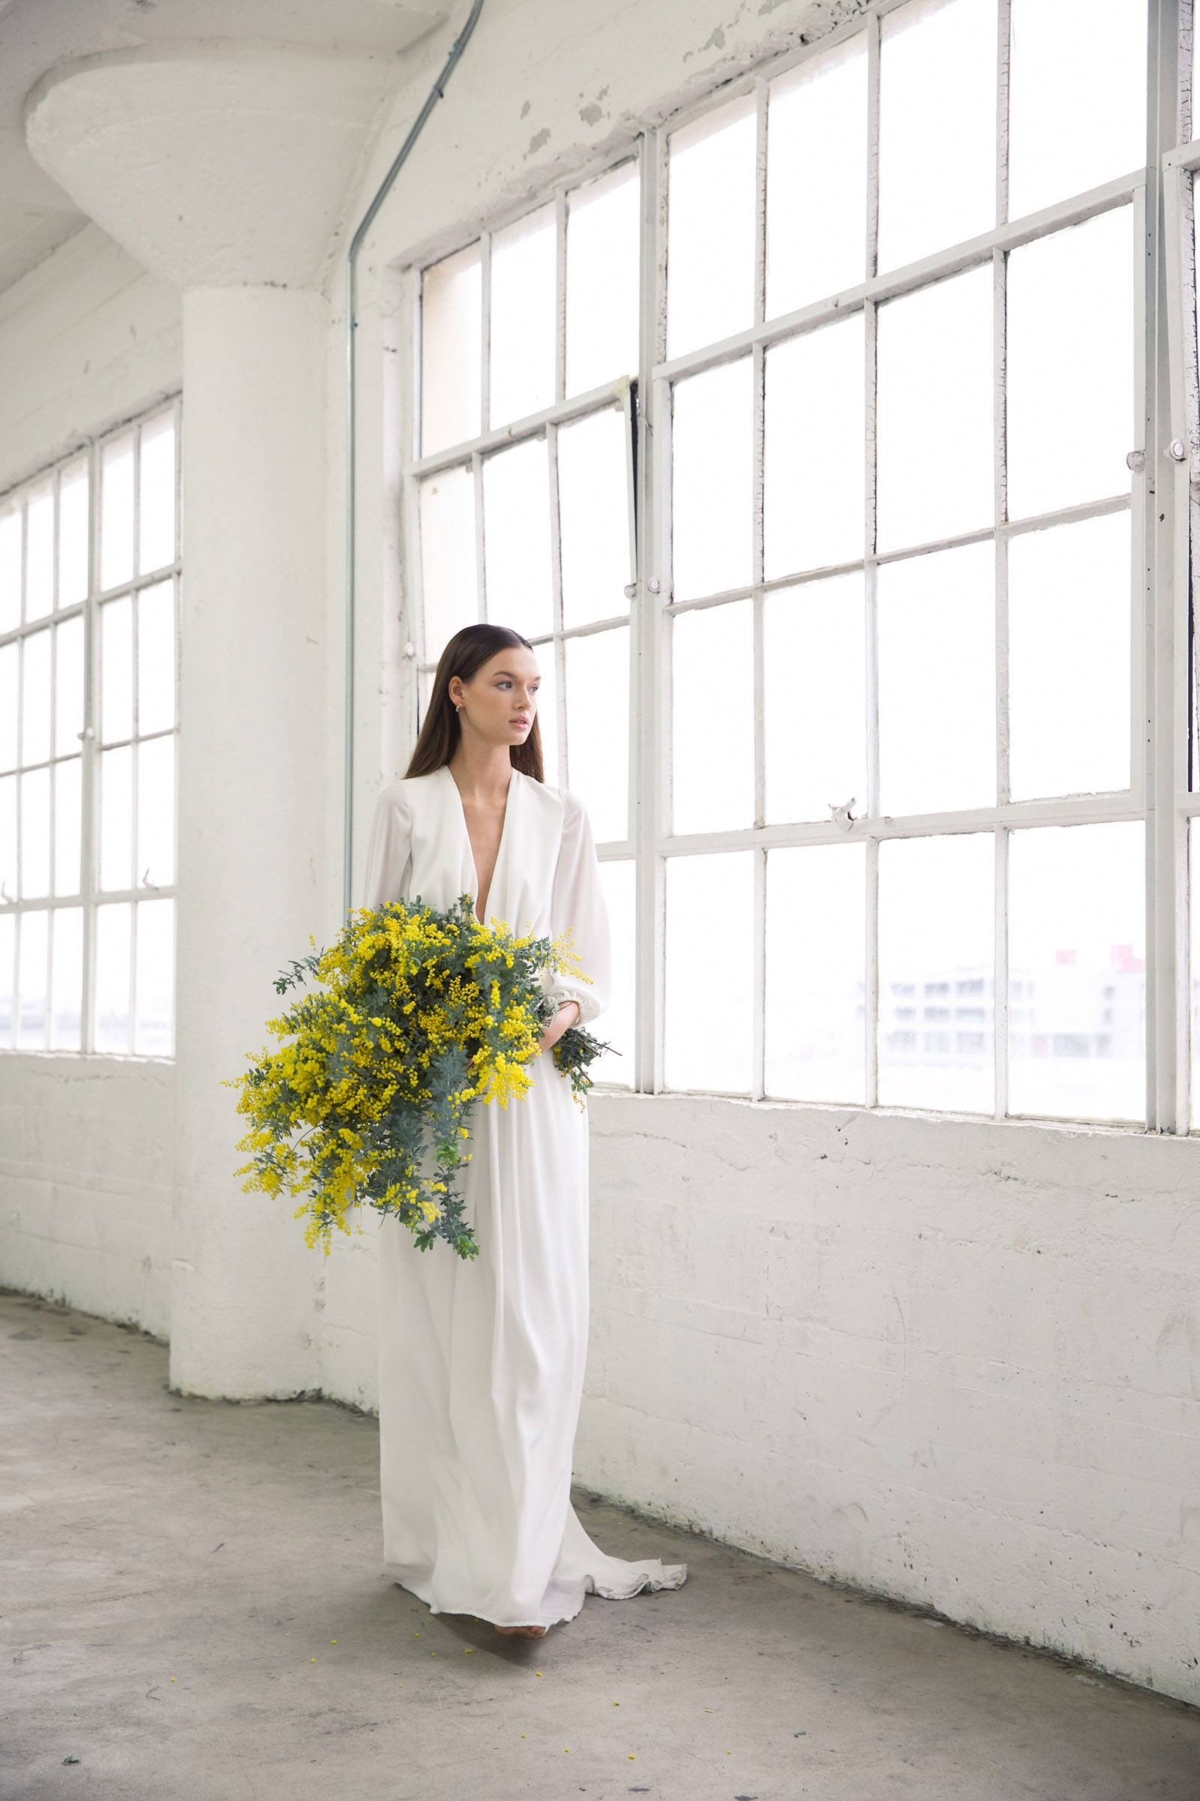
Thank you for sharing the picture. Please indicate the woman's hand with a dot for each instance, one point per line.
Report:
(566, 1017)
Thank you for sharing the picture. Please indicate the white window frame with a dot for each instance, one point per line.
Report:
(91, 896)
(1158, 791)
(473, 452)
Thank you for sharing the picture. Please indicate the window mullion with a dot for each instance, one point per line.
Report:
(870, 584)
(1156, 642)
(652, 625)
(90, 764)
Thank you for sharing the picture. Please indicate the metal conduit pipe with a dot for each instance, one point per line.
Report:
(435, 94)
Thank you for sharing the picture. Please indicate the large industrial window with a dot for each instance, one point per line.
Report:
(89, 580)
(907, 655)
(521, 491)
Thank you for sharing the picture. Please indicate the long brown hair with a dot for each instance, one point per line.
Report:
(441, 730)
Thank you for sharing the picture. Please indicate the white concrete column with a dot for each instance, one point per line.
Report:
(253, 785)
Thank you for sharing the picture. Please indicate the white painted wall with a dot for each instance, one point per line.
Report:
(957, 1363)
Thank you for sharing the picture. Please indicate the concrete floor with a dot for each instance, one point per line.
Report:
(195, 1612)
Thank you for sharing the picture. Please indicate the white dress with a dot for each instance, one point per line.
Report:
(481, 1360)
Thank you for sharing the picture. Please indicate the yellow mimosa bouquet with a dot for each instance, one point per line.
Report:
(424, 1012)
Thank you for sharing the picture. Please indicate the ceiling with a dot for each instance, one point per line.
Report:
(36, 36)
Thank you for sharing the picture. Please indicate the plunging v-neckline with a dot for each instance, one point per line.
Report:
(462, 813)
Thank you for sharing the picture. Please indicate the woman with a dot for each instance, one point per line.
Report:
(481, 1361)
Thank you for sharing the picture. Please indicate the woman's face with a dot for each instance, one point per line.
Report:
(500, 700)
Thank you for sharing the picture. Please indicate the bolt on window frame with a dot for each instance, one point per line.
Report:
(91, 895)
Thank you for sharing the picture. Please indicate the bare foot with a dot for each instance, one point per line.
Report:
(522, 1631)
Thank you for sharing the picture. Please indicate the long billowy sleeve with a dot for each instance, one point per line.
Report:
(389, 850)
(577, 905)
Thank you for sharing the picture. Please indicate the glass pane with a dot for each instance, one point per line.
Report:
(156, 657)
(935, 407)
(8, 838)
(154, 1016)
(34, 936)
(451, 340)
(598, 728)
(1070, 366)
(10, 566)
(155, 862)
(516, 538)
(603, 239)
(35, 714)
(936, 973)
(817, 177)
(547, 716)
(68, 685)
(712, 482)
(712, 700)
(816, 973)
(116, 512)
(156, 518)
(1069, 658)
(616, 1026)
(814, 699)
(937, 127)
(709, 998)
(813, 454)
(8, 977)
(113, 924)
(116, 818)
(1076, 966)
(1105, 63)
(593, 512)
(116, 669)
(68, 827)
(73, 522)
(937, 681)
(522, 344)
(66, 1001)
(35, 834)
(710, 227)
(39, 553)
(9, 672)
(448, 583)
